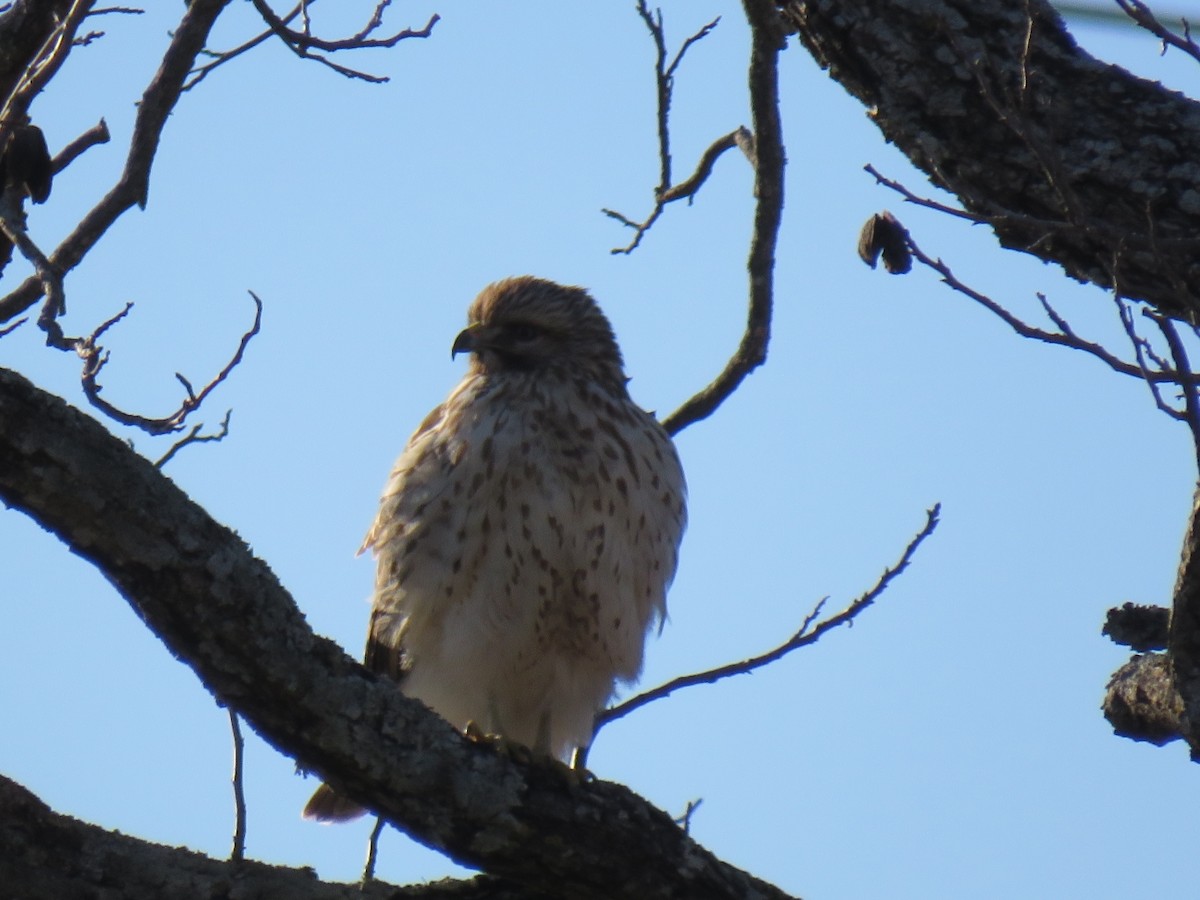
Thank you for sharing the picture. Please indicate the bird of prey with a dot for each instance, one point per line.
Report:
(528, 532)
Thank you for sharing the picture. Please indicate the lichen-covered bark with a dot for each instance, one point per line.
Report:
(221, 610)
(1068, 158)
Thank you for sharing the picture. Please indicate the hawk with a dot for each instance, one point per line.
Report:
(528, 532)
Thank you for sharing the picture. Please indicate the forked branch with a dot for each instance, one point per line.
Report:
(664, 80)
(303, 43)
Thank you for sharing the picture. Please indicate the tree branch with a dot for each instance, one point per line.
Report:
(807, 634)
(1065, 336)
(46, 854)
(664, 81)
(302, 43)
(223, 613)
(132, 188)
(1141, 14)
(97, 134)
(769, 161)
(997, 104)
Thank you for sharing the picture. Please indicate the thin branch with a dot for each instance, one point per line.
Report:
(195, 437)
(1141, 14)
(199, 73)
(664, 82)
(739, 137)
(9, 329)
(86, 39)
(769, 162)
(1065, 337)
(687, 44)
(133, 185)
(302, 42)
(684, 821)
(807, 634)
(238, 852)
(922, 201)
(1187, 381)
(95, 360)
(663, 86)
(1143, 351)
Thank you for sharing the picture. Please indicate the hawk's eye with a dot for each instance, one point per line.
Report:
(521, 332)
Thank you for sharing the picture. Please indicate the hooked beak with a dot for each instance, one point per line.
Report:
(466, 342)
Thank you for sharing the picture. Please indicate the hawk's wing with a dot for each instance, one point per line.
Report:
(409, 489)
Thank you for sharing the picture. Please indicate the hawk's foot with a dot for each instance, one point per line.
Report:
(517, 752)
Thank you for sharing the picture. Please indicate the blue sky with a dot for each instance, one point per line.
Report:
(949, 745)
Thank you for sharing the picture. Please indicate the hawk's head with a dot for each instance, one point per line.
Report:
(528, 324)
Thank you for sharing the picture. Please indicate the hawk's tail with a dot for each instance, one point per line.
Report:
(326, 806)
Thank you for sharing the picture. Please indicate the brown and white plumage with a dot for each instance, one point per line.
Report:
(529, 531)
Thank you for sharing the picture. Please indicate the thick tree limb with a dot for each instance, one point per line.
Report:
(47, 855)
(1072, 160)
(221, 611)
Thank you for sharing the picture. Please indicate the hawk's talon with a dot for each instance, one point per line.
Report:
(510, 749)
(519, 753)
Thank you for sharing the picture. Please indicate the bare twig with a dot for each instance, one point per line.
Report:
(199, 73)
(9, 329)
(1187, 381)
(1142, 351)
(85, 40)
(95, 358)
(302, 43)
(769, 162)
(739, 137)
(195, 437)
(808, 633)
(919, 200)
(1141, 14)
(1065, 337)
(664, 81)
(684, 821)
(238, 851)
